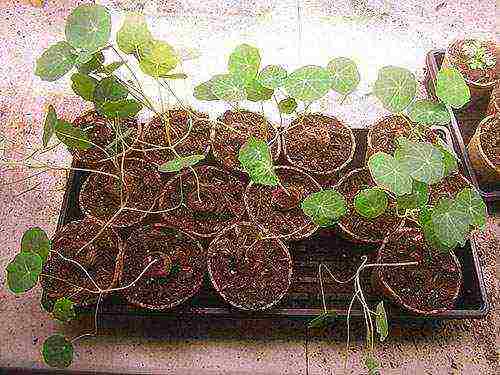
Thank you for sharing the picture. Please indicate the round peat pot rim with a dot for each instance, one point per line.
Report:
(188, 173)
(395, 297)
(340, 167)
(294, 236)
(371, 130)
(477, 141)
(196, 286)
(113, 223)
(222, 294)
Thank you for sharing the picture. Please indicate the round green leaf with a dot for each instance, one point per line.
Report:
(256, 92)
(325, 208)
(157, 58)
(204, 91)
(180, 163)
(427, 112)
(470, 202)
(84, 85)
(395, 87)
(287, 106)
(381, 321)
(23, 272)
(308, 83)
(228, 88)
(49, 126)
(449, 159)
(425, 221)
(423, 161)
(388, 173)
(57, 351)
(35, 240)
(72, 137)
(55, 62)
(345, 75)
(371, 203)
(88, 27)
(244, 62)
(108, 90)
(451, 88)
(418, 197)
(92, 65)
(83, 57)
(272, 76)
(450, 223)
(255, 157)
(64, 310)
(133, 33)
(122, 108)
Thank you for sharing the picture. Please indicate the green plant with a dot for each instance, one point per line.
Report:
(479, 57)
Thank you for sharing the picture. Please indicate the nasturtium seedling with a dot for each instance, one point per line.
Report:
(416, 199)
(122, 108)
(180, 163)
(469, 201)
(256, 92)
(325, 207)
(381, 321)
(428, 112)
(395, 87)
(228, 88)
(49, 126)
(345, 75)
(287, 106)
(55, 61)
(425, 222)
(84, 85)
(450, 223)
(255, 157)
(322, 319)
(23, 272)
(133, 33)
(35, 240)
(92, 65)
(203, 91)
(308, 83)
(157, 58)
(451, 88)
(72, 137)
(272, 76)
(244, 62)
(390, 174)
(449, 159)
(88, 27)
(371, 203)
(64, 310)
(57, 351)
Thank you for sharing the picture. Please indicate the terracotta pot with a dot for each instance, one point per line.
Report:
(494, 105)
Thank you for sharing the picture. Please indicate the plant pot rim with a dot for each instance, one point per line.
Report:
(223, 294)
(340, 167)
(396, 297)
(479, 143)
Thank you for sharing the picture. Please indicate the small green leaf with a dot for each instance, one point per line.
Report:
(449, 159)
(110, 68)
(287, 106)
(428, 112)
(272, 76)
(204, 91)
(49, 126)
(92, 65)
(308, 83)
(180, 163)
(255, 157)
(395, 88)
(371, 203)
(228, 88)
(175, 76)
(157, 58)
(23, 272)
(423, 161)
(108, 90)
(425, 221)
(122, 108)
(451, 88)
(450, 223)
(418, 197)
(55, 62)
(88, 27)
(381, 321)
(72, 137)
(322, 319)
(325, 208)
(256, 92)
(57, 351)
(133, 33)
(35, 240)
(470, 202)
(345, 75)
(64, 310)
(244, 62)
(388, 173)
(372, 365)
(83, 57)
(84, 86)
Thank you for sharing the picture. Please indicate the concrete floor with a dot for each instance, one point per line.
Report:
(375, 33)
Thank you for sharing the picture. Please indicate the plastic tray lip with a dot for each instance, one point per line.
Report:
(72, 186)
(433, 69)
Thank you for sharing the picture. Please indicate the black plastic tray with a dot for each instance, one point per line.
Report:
(463, 125)
(303, 299)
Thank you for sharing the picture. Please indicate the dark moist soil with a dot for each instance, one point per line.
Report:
(357, 226)
(100, 194)
(226, 143)
(431, 285)
(318, 143)
(100, 132)
(448, 187)
(158, 289)
(221, 202)
(197, 142)
(490, 140)
(278, 213)
(101, 259)
(459, 60)
(250, 274)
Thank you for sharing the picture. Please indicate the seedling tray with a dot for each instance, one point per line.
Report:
(463, 125)
(304, 297)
